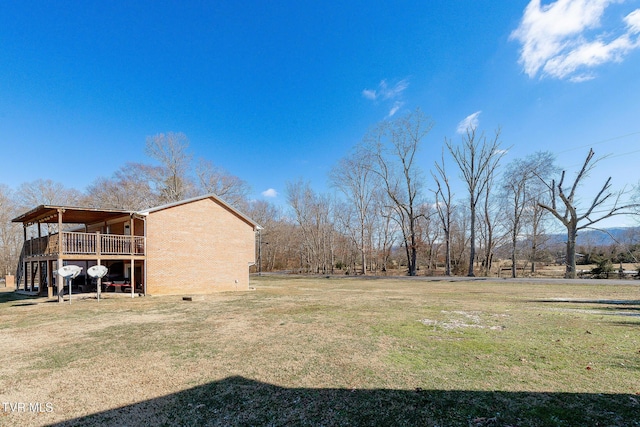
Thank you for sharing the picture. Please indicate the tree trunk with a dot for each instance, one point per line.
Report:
(534, 242)
(570, 272)
(472, 240)
(533, 256)
(514, 242)
(362, 248)
(414, 256)
(447, 256)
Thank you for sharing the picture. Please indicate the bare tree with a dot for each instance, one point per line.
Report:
(537, 235)
(429, 234)
(354, 178)
(10, 233)
(521, 194)
(313, 215)
(131, 187)
(444, 208)
(565, 208)
(477, 157)
(46, 192)
(382, 232)
(635, 198)
(347, 226)
(515, 180)
(215, 179)
(491, 231)
(393, 147)
(274, 236)
(459, 239)
(170, 150)
(139, 185)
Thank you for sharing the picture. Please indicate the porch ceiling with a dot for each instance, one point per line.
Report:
(70, 215)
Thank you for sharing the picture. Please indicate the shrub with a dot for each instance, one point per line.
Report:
(603, 269)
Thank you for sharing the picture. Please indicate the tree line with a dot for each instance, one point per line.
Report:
(384, 207)
(382, 213)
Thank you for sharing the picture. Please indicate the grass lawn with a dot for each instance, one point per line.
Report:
(329, 351)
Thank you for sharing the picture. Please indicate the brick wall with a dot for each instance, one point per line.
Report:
(198, 247)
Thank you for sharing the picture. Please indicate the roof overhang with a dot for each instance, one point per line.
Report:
(48, 214)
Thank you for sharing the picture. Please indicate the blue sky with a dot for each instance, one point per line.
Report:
(278, 91)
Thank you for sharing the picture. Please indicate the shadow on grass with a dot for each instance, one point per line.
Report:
(614, 307)
(595, 301)
(10, 296)
(237, 401)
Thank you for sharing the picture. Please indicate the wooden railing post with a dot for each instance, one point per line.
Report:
(98, 244)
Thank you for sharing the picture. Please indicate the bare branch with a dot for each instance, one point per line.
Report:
(571, 219)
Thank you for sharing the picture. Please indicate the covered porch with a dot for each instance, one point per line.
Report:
(55, 236)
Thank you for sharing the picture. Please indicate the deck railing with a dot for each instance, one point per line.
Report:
(113, 244)
(78, 243)
(74, 243)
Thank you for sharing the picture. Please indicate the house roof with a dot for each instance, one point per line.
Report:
(79, 215)
(70, 215)
(215, 197)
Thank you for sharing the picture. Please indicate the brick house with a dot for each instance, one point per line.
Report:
(194, 246)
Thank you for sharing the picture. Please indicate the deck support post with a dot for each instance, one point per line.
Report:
(31, 274)
(60, 279)
(98, 261)
(24, 260)
(133, 259)
(49, 279)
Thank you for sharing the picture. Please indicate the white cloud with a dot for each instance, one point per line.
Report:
(395, 108)
(633, 21)
(564, 39)
(388, 95)
(470, 122)
(385, 92)
(270, 193)
(588, 55)
(369, 94)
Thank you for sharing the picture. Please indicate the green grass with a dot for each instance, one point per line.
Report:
(339, 351)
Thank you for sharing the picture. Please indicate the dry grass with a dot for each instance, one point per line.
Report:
(339, 351)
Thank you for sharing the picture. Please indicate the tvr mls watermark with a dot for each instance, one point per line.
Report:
(27, 407)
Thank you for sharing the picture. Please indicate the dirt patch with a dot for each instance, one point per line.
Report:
(460, 319)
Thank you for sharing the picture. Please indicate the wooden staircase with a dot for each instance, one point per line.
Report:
(20, 269)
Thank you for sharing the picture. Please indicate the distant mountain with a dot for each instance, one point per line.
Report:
(604, 237)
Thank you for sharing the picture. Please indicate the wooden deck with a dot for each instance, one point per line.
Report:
(93, 245)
